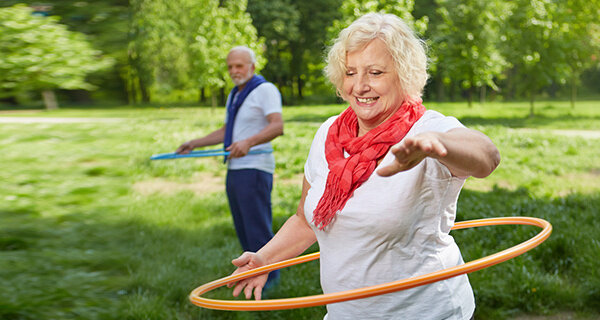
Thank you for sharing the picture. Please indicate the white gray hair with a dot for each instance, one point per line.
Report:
(407, 50)
(247, 50)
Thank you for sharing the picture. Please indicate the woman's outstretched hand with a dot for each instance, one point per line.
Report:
(411, 151)
(248, 261)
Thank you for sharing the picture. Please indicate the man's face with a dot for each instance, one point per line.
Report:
(240, 67)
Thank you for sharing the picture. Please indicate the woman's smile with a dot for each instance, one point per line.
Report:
(371, 85)
(367, 100)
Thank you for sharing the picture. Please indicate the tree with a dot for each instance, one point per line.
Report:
(105, 25)
(351, 10)
(39, 54)
(296, 33)
(466, 43)
(579, 30)
(535, 46)
(278, 22)
(308, 49)
(178, 45)
(236, 29)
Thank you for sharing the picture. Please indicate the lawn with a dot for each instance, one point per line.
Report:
(90, 228)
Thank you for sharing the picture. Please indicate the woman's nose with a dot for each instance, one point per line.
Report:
(361, 84)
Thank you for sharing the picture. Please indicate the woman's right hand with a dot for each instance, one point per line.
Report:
(248, 261)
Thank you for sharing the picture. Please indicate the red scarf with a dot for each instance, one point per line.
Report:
(347, 174)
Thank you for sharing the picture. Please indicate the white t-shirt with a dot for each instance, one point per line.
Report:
(391, 229)
(250, 120)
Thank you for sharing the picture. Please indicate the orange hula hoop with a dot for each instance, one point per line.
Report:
(317, 300)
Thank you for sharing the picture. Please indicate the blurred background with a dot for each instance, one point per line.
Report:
(173, 51)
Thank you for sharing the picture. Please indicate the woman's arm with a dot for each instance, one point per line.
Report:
(465, 152)
(294, 237)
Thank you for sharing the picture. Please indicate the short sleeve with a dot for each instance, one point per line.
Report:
(270, 98)
(435, 121)
(316, 161)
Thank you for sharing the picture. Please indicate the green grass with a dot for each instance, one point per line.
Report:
(90, 228)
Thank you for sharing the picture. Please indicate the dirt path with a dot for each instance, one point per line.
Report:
(28, 120)
(588, 134)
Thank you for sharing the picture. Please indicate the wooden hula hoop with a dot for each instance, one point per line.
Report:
(317, 300)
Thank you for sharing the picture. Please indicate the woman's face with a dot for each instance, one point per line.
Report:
(371, 85)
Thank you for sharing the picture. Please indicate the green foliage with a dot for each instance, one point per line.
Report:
(180, 45)
(174, 50)
(549, 43)
(278, 21)
(37, 53)
(353, 9)
(296, 36)
(534, 48)
(467, 41)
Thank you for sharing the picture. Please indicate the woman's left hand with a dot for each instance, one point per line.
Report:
(411, 151)
(465, 152)
(248, 261)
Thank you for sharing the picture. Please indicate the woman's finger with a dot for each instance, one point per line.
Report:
(390, 169)
(239, 287)
(242, 260)
(258, 293)
(248, 291)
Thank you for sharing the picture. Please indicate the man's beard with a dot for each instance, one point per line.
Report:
(240, 81)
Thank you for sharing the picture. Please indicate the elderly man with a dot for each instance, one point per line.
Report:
(253, 119)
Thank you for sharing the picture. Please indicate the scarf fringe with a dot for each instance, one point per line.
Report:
(330, 205)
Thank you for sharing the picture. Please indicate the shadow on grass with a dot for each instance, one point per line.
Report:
(320, 118)
(539, 120)
(560, 274)
(84, 266)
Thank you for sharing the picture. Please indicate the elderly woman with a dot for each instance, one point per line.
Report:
(381, 183)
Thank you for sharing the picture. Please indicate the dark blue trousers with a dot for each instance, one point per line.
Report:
(249, 194)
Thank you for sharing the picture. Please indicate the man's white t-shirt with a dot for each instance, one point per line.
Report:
(250, 120)
(391, 229)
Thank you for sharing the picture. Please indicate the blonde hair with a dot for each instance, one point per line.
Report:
(406, 49)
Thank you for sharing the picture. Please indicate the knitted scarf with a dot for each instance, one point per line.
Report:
(233, 106)
(347, 174)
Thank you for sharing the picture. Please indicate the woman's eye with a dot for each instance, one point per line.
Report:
(349, 73)
(376, 73)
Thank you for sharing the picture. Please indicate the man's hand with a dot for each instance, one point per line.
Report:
(411, 151)
(238, 149)
(186, 147)
(248, 261)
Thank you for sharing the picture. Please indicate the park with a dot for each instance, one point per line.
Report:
(91, 228)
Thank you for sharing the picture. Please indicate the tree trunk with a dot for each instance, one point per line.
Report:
(573, 91)
(482, 94)
(531, 101)
(202, 95)
(213, 101)
(143, 90)
(300, 96)
(439, 81)
(470, 97)
(49, 99)
(222, 96)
